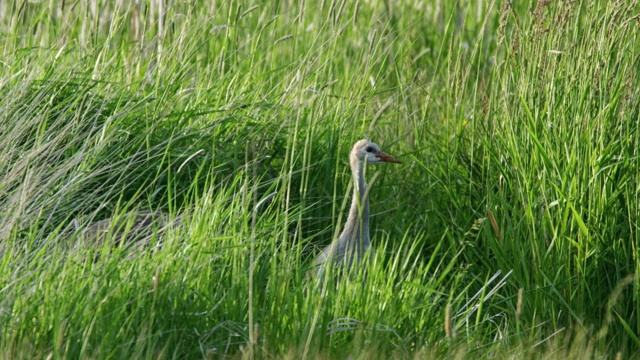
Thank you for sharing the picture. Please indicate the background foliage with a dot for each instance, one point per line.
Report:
(510, 229)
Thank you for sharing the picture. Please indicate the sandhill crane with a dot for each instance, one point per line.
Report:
(135, 229)
(354, 240)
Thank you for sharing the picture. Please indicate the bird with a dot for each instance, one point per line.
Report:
(354, 240)
(134, 228)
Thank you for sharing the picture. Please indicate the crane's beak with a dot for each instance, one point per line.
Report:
(384, 157)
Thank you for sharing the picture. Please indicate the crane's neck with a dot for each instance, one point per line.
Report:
(357, 226)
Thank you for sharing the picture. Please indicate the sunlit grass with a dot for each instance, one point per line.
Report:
(510, 230)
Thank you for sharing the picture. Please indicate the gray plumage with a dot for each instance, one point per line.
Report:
(354, 240)
(135, 229)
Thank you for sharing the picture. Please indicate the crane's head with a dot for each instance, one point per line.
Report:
(370, 153)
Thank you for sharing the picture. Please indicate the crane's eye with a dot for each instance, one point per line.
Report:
(369, 149)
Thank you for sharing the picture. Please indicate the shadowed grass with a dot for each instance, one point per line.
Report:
(510, 230)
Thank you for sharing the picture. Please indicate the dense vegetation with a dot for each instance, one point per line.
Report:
(510, 229)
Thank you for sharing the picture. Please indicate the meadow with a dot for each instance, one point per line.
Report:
(510, 230)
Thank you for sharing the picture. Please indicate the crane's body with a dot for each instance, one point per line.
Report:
(354, 240)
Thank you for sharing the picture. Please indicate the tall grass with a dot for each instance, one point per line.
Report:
(510, 231)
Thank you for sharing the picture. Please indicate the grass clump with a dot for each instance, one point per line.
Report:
(510, 230)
